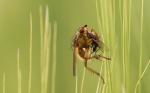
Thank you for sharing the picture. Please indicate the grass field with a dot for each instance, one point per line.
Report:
(36, 53)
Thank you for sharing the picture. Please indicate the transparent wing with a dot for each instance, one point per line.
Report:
(101, 46)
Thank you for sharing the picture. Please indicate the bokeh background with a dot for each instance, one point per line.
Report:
(69, 15)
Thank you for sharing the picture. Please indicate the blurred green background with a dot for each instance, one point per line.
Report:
(69, 15)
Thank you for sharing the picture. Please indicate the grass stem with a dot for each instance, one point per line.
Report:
(30, 59)
(54, 57)
(141, 39)
(76, 84)
(141, 76)
(4, 82)
(82, 82)
(19, 72)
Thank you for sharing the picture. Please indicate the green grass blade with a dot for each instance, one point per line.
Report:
(82, 82)
(45, 49)
(99, 80)
(47, 42)
(30, 59)
(141, 76)
(19, 72)
(141, 41)
(4, 82)
(76, 84)
(54, 57)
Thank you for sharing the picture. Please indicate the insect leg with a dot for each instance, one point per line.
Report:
(93, 71)
(105, 57)
(95, 51)
(100, 57)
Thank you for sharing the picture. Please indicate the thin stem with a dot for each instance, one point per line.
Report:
(54, 58)
(4, 82)
(141, 39)
(110, 39)
(46, 50)
(41, 38)
(82, 82)
(76, 84)
(19, 72)
(120, 12)
(41, 34)
(124, 24)
(141, 76)
(98, 17)
(102, 18)
(128, 41)
(30, 61)
(98, 85)
(100, 30)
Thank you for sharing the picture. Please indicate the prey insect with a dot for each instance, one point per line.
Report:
(86, 44)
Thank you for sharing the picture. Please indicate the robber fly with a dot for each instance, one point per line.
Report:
(86, 44)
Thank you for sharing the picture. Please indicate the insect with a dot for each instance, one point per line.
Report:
(86, 44)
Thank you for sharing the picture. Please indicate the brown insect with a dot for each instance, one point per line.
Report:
(86, 44)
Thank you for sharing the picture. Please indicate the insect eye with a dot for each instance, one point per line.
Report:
(85, 25)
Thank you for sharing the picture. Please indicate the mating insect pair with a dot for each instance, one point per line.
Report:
(86, 44)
